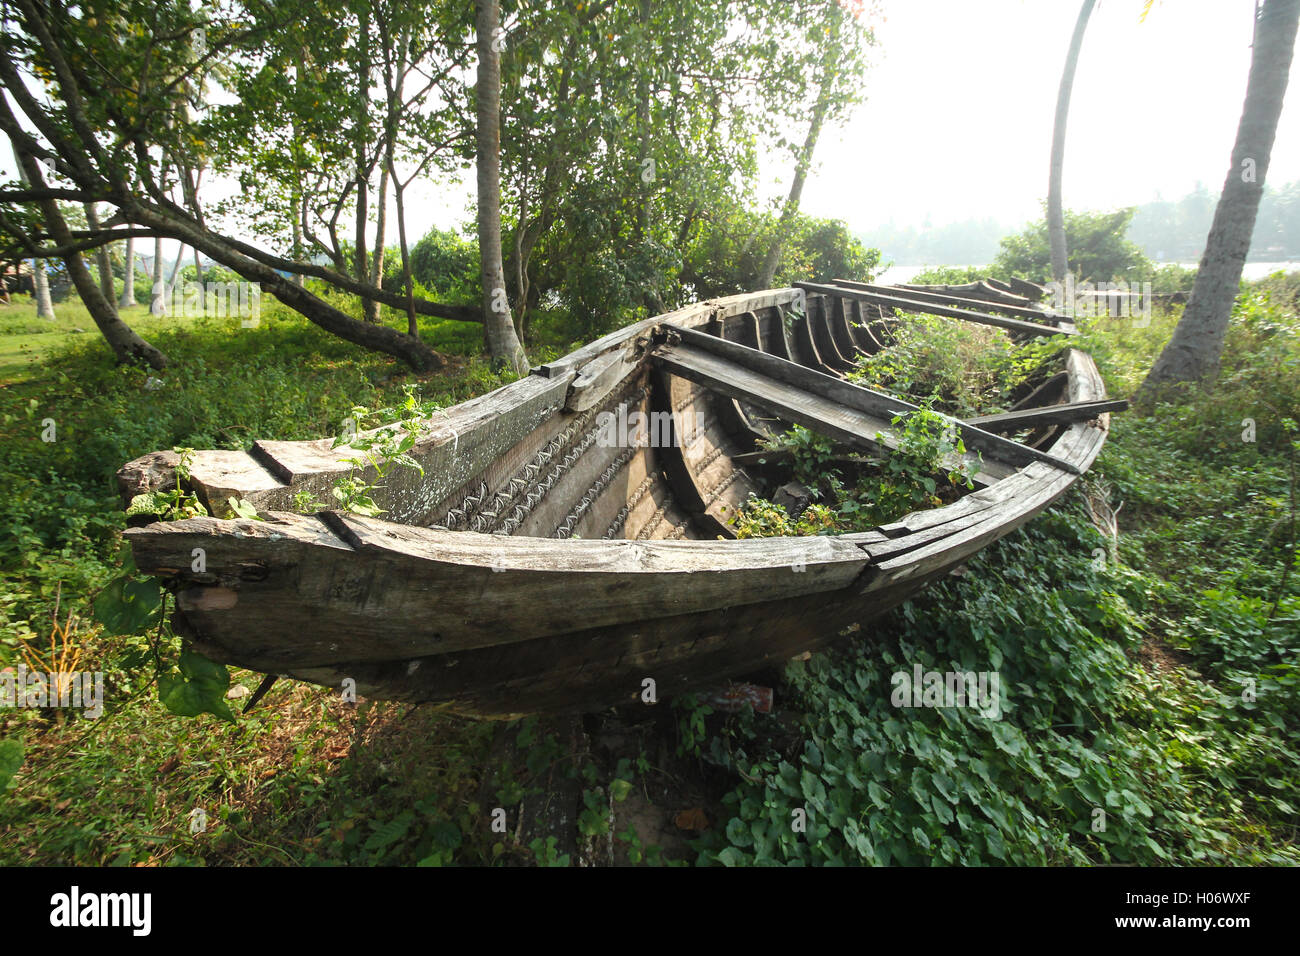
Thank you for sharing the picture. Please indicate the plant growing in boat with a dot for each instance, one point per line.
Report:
(960, 368)
(911, 477)
(761, 518)
(382, 450)
(174, 503)
(928, 439)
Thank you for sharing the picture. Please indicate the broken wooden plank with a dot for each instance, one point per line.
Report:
(598, 378)
(880, 406)
(801, 406)
(1050, 415)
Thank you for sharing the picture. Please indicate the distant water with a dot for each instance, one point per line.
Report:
(1253, 270)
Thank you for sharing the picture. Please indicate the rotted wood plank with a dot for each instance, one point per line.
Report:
(1047, 393)
(1047, 415)
(821, 324)
(598, 378)
(942, 298)
(841, 335)
(808, 353)
(836, 390)
(989, 290)
(826, 416)
(310, 591)
(773, 333)
(601, 667)
(457, 443)
(695, 315)
(913, 305)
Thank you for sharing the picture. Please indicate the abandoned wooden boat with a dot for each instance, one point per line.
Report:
(569, 539)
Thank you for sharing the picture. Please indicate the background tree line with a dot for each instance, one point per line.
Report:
(1165, 230)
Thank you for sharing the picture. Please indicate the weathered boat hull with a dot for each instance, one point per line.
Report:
(541, 565)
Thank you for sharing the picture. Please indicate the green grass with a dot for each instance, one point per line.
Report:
(26, 341)
(301, 768)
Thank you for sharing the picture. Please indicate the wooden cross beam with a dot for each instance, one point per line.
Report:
(831, 406)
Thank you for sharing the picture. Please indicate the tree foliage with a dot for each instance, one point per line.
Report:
(1098, 249)
(630, 137)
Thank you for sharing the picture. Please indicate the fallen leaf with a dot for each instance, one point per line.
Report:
(692, 819)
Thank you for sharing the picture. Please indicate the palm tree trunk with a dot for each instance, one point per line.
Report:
(1055, 213)
(103, 263)
(41, 282)
(360, 257)
(381, 225)
(502, 340)
(128, 277)
(1195, 352)
(158, 298)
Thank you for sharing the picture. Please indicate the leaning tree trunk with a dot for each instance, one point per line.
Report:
(803, 161)
(126, 345)
(502, 340)
(128, 277)
(380, 338)
(1196, 349)
(1055, 212)
(173, 277)
(786, 222)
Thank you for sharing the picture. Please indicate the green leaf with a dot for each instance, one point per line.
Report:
(11, 758)
(200, 688)
(128, 605)
(1008, 739)
(878, 795)
(731, 857)
(446, 835)
(243, 509)
(149, 503)
(619, 789)
(365, 506)
(738, 833)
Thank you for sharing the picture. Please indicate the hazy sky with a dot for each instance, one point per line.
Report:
(958, 120)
